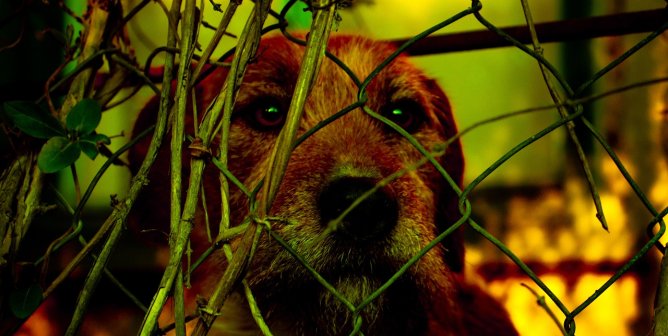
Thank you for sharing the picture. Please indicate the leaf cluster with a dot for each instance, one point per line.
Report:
(64, 143)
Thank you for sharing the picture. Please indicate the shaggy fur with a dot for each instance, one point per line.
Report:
(348, 156)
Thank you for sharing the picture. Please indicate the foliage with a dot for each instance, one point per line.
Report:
(64, 143)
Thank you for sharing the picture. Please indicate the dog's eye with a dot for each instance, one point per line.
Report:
(265, 114)
(406, 113)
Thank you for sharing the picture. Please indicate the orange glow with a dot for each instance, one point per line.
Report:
(658, 193)
(39, 323)
(610, 314)
(557, 235)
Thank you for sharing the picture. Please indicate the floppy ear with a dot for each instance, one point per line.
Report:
(453, 162)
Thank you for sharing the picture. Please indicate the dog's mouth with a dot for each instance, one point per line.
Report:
(356, 236)
(355, 233)
(384, 312)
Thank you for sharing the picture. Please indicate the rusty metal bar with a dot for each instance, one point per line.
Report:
(557, 31)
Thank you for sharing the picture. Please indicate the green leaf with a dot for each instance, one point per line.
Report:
(84, 117)
(89, 144)
(97, 138)
(24, 301)
(33, 120)
(89, 148)
(57, 153)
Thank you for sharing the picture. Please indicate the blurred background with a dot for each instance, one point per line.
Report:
(537, 203)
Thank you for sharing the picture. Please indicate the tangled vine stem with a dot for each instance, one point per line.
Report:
(313, 54)
(563, 112)
(176, 236)
(661, 305)
(160, 297)
(248, 42)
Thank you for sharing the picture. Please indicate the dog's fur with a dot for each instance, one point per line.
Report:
(347, 156)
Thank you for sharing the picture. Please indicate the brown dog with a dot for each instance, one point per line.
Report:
(325, 174)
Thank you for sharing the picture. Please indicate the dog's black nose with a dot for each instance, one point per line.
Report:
(374, 217)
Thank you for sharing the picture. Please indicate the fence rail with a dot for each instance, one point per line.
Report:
(557, 31)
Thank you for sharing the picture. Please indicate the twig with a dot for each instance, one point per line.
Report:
(658, 218)
(92, 40)
(118, 213)
(24, 188)
(160, 297)
(70, 12)
(463, 195)
(222, 28)
(64, 204)
(310, 65)
(179, 305)
(188, 40)
(540, 300)
(93, 277)
(11, 180)
(97, 21)
(247, 47)
(81, 66)
(563, 113)
(18, 38)
(77, 183)
(229, 94)
(661, 305)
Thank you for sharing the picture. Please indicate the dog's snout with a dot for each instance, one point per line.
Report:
(373, 218)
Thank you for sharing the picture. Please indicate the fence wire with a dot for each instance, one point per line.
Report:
(217, 119)
(572, 111)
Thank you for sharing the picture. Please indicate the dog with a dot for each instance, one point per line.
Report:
(326, 172)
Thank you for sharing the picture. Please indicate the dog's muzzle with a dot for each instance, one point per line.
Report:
(372, 219)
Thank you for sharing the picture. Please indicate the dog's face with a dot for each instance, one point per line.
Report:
(325, 174)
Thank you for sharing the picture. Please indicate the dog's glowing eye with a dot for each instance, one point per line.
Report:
(405, 113)
(266, 114)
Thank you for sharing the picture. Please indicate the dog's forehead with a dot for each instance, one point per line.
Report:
(274, 72)
(360, 54)
(279, 61)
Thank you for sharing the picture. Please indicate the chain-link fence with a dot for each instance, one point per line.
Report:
(104, 38)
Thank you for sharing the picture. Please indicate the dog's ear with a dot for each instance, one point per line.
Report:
(146, 221)
(443, 111)
(148, 216)
(453, 162)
